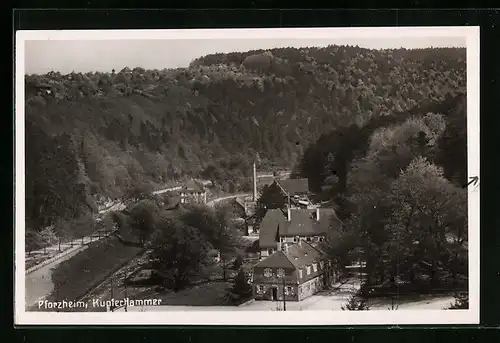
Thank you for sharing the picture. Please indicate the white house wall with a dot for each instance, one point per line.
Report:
(310, 287)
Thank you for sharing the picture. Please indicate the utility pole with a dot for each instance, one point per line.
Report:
(327, 276)
(112, 295)
(284, 298)
(59, 244)
(223, 260)
(255, 180)
(397, 269)
(58, 296)
(125, 285)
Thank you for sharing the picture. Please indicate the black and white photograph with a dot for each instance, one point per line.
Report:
(246, 176)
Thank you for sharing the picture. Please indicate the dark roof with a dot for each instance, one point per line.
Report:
(193, 186)
(276, 260)
(296, 255)
(294, 186)
(269, 226)
(303, 222)
(302, 254)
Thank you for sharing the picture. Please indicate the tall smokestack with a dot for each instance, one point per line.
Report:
(254, 181)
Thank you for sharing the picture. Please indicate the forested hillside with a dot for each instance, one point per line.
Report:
(102, 134)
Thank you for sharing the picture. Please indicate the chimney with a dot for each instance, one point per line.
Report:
(254, 181)
(289, 214)
(317, 214)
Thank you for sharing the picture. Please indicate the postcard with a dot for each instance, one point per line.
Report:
(325, 176)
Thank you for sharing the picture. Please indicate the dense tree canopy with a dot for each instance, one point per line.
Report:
(217, 228)
(180, 252)
(144, 218)
(110, 134)
(404, 209)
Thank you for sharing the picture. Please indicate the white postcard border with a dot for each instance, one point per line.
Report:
(376, 317)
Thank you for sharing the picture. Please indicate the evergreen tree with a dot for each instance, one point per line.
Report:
(241, 289)
(271, 197)
(354, 303)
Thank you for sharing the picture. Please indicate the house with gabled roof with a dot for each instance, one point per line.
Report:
(295, 191)
(291, 225)
(193, 192)
(294, 272)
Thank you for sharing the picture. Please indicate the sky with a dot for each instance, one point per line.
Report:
(65, 56)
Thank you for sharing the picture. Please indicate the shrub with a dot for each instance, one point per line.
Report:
(354, 303)
(461, 302)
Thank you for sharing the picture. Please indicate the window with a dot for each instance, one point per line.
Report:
(321, 239)
(295, 239)
(308, 268)
(315, 267)
(260, 289)
(280, 273)
(321, 264)
(268, 272)
(308, 239)
(270, 251)
(300, 273)
(288, 290)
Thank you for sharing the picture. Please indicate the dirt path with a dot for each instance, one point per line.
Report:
(39, 283)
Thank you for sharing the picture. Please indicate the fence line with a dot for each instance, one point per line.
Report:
(103, 280)
(76, 244)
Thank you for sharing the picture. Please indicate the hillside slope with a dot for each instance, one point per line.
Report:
(101, 134)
